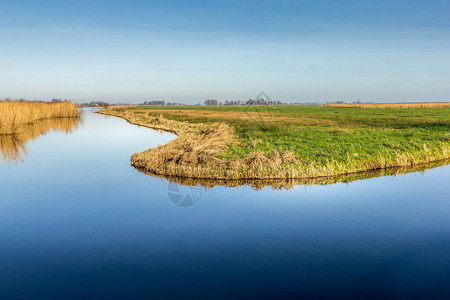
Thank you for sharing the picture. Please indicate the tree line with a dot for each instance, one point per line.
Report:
(213, 102)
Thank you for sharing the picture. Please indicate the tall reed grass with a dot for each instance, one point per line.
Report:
(14, 115)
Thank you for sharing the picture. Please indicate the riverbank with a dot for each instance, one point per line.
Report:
(268, 142)
(290, 183)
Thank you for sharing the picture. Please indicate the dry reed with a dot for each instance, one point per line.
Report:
(15, 115)
(289, 183)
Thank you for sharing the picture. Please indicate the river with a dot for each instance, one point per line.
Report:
(78, 222)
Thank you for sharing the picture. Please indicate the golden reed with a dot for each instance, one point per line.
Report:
(14, 115)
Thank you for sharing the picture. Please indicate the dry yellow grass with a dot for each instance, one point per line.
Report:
(14, 115)
(289, 183)
(238, 116)
(392, 105)
(197, 145)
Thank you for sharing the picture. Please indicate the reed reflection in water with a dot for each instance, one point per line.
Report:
(12, 146)
(287, 184)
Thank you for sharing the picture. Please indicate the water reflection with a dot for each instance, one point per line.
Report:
(12, 146)
(287, 184)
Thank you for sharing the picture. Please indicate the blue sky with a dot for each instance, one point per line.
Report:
(188, 51)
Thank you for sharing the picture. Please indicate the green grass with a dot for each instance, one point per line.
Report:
(322, 134)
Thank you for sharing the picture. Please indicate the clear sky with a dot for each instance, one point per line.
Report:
(189, 51)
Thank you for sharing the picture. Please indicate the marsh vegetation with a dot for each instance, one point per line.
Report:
(21, 121)
(290, 183)
(15, 115)
(263, 142)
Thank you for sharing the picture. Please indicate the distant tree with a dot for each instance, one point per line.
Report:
(153, 103)
(211, 102)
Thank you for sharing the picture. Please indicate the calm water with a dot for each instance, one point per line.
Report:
(78, 222)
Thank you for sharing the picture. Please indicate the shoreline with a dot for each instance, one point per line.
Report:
(280, 183)
(196, 153)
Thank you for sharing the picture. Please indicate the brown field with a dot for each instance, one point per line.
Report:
(15, 115)
(392, 105)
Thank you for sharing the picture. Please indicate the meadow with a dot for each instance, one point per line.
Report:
(16, 115)
(292, 141)
(392, 105)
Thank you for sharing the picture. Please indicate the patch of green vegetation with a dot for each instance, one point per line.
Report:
(323, 134)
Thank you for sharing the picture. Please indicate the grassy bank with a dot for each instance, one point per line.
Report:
(16, 115)
(288, 141)
(289, 183)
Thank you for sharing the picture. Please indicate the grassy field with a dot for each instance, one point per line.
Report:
(15, 115)
(392, 105)
(236, 142)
